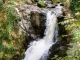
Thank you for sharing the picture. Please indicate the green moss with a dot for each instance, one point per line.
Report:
(41, 4)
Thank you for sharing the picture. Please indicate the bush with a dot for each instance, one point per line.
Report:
(11, 36)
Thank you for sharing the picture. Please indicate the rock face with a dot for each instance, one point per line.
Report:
(37, 23)
(32, 21)
(35, 19)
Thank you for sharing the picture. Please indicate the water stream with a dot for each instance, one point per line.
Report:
(38, 50)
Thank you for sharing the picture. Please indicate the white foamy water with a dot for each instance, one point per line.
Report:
(41, 47)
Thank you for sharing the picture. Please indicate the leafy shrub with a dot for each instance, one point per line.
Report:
(11, 36)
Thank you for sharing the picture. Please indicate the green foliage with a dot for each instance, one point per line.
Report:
(76, 35)
(75, 4)
(10, 33)
(1, 4)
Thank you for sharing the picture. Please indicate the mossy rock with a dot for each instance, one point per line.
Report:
(41, 4)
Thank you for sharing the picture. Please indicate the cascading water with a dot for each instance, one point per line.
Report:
(38, 50)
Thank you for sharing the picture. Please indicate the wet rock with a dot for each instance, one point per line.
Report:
(35, 19)
(29, 8)
(38, 23)
(57, 49)
(35, 8)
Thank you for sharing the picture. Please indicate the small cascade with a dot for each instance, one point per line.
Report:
(38, 50)
(51, 25)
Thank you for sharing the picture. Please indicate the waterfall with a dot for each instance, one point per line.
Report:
(38, 50)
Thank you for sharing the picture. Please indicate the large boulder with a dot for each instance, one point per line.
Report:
(33, 21)
(38, 23)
